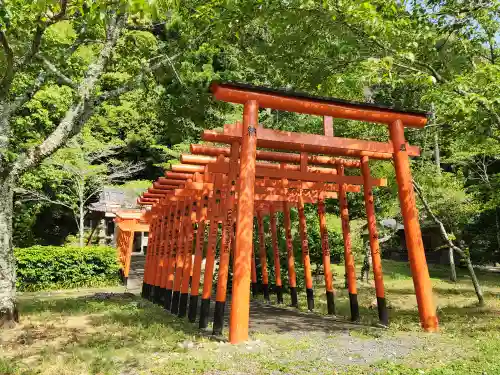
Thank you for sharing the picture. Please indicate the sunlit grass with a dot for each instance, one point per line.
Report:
(126, 335)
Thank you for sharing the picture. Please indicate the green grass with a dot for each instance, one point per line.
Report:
(69, 334)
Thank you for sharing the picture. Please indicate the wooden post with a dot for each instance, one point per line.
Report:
(305, 255)
(179, 261)
(198, 258)
(166, 255)
(188, 260)
(254, 272)
(227, 234)
(146, 287)
(263, 255)
(240, 309)
(330, 300)
(292, 278)
(161, 253)
(210, 258)
(173, 235)
(276, 253)
(126, 267)
(413, 235)
(374, 244)
(156, 256)
(350, 269)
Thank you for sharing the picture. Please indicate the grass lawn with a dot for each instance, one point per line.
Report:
(67, 333)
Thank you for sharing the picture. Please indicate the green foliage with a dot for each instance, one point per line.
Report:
(54, 267)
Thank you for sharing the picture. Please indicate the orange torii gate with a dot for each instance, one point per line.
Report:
(128, 222)
(185, 172)
(251, 135)
(257, 188)
(304, 173)
(190, 188)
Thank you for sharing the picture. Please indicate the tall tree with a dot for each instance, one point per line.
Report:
(31, 62)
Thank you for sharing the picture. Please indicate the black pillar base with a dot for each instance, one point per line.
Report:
(204, 313)
(353, 302)
(330, 303)
(193, 308)
(176, 295)
(149, 291)
(383, 315)
(265, 290)
(310, 299)
(144, 290)
(218, 318)
(157, 295)
(167, 303)
(183, 305)
(125, 280)
(152, 295)
(293, 295)
(163, 296)
(279, 294)
(254, 289)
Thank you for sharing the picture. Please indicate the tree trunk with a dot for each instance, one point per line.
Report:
(437, 154)
(81, 219)
(453, 271)
(446, 237)
(497, 224)
(475, 281)
(8, 310)
(367, 264)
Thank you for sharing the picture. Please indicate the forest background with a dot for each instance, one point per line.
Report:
(150, 99)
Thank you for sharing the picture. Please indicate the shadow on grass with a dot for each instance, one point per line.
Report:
(73, 305)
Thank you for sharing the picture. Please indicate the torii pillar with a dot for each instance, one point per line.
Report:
(240, 305)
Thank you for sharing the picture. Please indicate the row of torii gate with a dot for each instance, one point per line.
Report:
(228, 186)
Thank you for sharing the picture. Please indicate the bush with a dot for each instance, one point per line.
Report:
(57, 267)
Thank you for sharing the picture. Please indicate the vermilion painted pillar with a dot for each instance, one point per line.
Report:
(198, 258)
(374, 245)
(172, 254)
(156, 255)
(254, 272)
(188, 260)
(413, 235)
(128, 258)
(146, 287)
(292, 278)
(161, 253)
(166, 255)
(305, 255)
(210, 258)
(276, 253)
(179, 261)
(240, 306)
(174, 218)
(263, 255)
(350, 269)
(227, 234)
(326, 258)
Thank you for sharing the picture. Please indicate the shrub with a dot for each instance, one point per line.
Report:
(56, 267)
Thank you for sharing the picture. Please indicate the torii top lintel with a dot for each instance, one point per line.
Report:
(315, 105)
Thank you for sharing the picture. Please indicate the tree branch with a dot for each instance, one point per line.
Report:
(439, 223)
(60, 75)
(40, 30)
(446, 238)
(80, 112)
(9, 69)
(31, 196)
